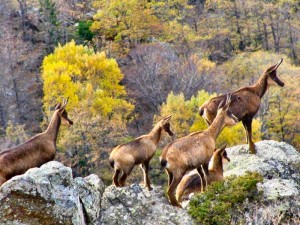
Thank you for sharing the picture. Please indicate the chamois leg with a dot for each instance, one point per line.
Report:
(172, 188)
(145, 168)
(2, 180)
(245, 127)
(203, 178)
(116, 178)
(248, 124)
(125, 174)
(170, 178)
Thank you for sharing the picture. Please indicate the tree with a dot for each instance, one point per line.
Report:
(186, 119)
(97, 102)
(277, 112)
(155, 70)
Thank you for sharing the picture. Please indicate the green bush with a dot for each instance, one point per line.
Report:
(216, 204)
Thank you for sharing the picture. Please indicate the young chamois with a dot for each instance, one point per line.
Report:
(193, 151)
(192, 183)
(245, 102)
(36, 151)
(139, 151)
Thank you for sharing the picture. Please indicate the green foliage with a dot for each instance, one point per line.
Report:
(84, 31)
(186, 119)
(216, 204)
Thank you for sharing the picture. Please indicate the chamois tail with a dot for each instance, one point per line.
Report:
(163, 163)
(112, 163)
(201, 111)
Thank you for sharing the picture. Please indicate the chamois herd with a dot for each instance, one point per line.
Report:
(191, 162)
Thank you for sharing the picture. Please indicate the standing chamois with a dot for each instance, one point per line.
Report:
(192, 183)
(245, 102)
(193, 151)
(139, 151)
(36, 151)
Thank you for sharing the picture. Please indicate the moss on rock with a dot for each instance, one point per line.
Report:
(217, 203)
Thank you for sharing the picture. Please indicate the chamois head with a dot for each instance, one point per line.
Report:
(229, 118)
(62, 112)
(273, 79)
(218, 158)
(165, 124)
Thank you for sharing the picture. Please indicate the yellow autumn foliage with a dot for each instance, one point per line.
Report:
(186, 119)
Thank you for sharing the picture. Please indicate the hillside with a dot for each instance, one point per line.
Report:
(123, 65)
(50, 194)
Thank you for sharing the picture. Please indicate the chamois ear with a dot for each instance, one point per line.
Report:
(278, 64)
(64, 105)
(57, 106)
(221, 104)
(228, 101)
(274, 67)
(166, 119)
(224, 147)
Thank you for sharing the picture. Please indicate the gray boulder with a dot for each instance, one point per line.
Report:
(279, 163)
(50, 195)
(136, 205)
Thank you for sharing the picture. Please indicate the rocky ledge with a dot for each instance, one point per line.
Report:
(50, 195)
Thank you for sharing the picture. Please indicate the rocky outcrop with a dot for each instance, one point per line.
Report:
(279, 163)
(136, 205)
(50, 195)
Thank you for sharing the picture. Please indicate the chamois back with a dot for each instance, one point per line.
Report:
(36, 151)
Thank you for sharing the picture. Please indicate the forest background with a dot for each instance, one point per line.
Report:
(125, 64)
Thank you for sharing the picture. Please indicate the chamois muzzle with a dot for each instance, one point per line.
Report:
(278, 81)
(70, 122)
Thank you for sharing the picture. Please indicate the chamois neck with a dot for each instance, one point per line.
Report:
(155, 134)
(52, 130)
(217, 165)
(261, 86)
(216, 127)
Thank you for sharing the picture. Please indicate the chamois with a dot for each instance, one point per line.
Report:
(139, 151)
(36, 151)
(245, 102)
(192, 183)
(193, 151)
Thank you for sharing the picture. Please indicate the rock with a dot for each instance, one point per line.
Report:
(273, 160)
(278, 162)
(136, 205)
(50, 195)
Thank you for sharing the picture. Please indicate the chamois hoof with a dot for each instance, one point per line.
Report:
(150, 188)
(252, 149)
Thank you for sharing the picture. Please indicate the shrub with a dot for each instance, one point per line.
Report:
(216, 204)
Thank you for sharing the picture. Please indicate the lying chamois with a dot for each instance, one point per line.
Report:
(36, 151)
(139, 151)
(193, 151)
(245, 102)
(192, 183)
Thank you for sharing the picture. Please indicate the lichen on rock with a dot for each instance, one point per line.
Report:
(50, 195)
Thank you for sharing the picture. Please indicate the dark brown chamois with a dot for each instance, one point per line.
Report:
(193, 151)
(139, 151)
(192, 183)
(36, 151)
(245, 102)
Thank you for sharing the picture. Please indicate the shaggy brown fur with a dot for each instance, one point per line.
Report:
(36, 151)
(192, 183)
(124, 157)
(193, 151)
(245, 102)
